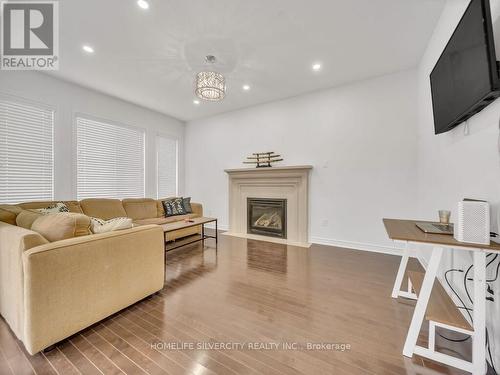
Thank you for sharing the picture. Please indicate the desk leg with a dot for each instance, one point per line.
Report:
(479, 314)
(401, 272)
(423, 300)
(203, 236)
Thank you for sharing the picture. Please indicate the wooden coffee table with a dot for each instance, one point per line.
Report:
(172, 227)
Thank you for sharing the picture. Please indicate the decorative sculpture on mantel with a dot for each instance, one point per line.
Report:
(263, 159)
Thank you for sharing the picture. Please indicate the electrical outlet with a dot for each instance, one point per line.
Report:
(324, 223)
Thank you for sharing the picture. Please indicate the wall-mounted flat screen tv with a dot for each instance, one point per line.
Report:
(466, 76)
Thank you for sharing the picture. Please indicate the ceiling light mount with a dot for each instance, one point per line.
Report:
(211, 59)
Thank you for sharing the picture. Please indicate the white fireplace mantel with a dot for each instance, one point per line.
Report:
(289, 182)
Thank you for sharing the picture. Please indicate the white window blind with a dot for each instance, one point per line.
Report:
(166, 154)
(26, 152)
(110, 160)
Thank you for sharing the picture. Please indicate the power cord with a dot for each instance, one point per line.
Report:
(489, 298)
(496, 274)
(461, 301)
(467, 309)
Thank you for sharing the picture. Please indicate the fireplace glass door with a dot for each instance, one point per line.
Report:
(267, 217)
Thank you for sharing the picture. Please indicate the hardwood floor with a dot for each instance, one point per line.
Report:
(248, 292)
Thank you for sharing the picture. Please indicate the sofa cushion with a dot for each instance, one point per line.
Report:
(61, 226)
(137, 209)
(73, 206)
(103, 208)
(8, 213)
(26, 218)
(164, 220)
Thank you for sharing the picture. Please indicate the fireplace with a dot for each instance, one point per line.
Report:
(267, 217)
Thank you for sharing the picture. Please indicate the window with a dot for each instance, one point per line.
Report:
(110, 160)
(26, 151)
(166, 161)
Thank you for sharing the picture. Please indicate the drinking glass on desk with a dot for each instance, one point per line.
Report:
(444, 217)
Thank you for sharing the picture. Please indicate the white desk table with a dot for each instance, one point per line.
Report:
(406, 232)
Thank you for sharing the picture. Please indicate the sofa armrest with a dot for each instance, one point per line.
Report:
(14, 241)
(72, 284)
(197, 209)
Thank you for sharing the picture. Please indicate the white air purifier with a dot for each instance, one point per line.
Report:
(473, 222)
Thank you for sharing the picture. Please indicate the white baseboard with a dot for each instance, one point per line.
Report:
(358, 246)
(396, 250)
(219, 226)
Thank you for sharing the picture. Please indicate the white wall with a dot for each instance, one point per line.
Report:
(360, 138)
(68, 99)
(454, 165)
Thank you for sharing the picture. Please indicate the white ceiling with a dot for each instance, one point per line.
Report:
(150, 57)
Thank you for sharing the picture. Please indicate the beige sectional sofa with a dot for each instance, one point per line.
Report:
(52, 290)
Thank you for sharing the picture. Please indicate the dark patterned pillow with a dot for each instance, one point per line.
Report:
(186, 202)
(54, 209)
(173, 207)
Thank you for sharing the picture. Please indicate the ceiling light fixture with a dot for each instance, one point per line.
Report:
(316, 67)
(143, 4)
(246, 87)
(210, 85)
(88, 49)
(196, 101)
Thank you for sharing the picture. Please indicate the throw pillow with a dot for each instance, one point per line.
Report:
(8, 213)
(186, 202)
(61, 226)
(173, 207)
(54, 209)
(103, 226)
(26, 218)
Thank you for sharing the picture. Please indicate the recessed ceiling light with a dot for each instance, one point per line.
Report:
(88, 49)
(196, 102)
(143, 4)
(246, 87)
(316, 67)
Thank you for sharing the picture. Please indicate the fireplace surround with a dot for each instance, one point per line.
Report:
(266, 216)
(284, 182)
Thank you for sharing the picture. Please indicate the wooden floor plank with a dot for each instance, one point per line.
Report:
(120, 344)
(300, 362)
(178, 356)
(119, 359)
(14, 356)
(248, 292)
(206, 333)
(145, 348)
(38, 361)
(79, 360)
(299, 359)
(98, 359)
(60, 362)
(4, 365)
(206, 359)
(186, 333)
